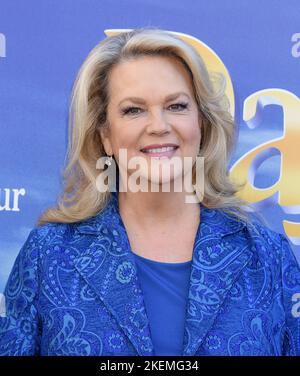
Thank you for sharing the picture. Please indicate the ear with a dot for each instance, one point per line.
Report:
(105, 139)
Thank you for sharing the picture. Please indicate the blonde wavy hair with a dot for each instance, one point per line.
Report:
(80, 198)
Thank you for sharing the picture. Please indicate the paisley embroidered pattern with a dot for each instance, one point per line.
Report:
(74, 290)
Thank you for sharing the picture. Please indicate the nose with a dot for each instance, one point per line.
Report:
(158, 124)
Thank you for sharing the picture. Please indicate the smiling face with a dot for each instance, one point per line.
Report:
(152, 104)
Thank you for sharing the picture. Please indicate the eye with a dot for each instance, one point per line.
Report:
(179, 106)
(130, 110)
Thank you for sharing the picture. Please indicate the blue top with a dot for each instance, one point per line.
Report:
(165, 290)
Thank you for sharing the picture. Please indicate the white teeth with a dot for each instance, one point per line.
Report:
(160, 150)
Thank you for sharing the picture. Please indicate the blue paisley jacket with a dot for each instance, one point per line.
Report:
(74, 290)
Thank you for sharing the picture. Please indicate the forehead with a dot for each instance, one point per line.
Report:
(148, 75)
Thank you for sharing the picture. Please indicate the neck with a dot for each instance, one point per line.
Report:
(152, 209)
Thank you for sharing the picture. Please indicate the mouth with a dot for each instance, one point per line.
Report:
(167, 151)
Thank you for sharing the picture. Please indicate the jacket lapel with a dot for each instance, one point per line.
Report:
(108, 266)
(220, 254)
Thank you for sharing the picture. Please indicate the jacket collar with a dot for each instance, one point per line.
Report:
(108, 266)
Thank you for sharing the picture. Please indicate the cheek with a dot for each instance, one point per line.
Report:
(192, 133)
(125, 138)
(119, 137)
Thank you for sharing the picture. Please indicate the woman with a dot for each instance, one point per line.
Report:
(144, 272)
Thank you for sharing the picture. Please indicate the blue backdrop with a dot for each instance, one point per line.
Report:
(42, 45)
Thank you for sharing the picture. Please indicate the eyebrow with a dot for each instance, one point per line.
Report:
(142, 101)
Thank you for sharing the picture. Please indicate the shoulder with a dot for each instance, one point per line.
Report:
(266, 244)
(47, 238)
(53, 237)
(271, 255)
(43, 234)
(254, 230)
(261, 234)
(46, 247)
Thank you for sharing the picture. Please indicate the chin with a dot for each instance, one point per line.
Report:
(168, 181)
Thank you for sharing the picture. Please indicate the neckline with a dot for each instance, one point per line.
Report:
(161, 262)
